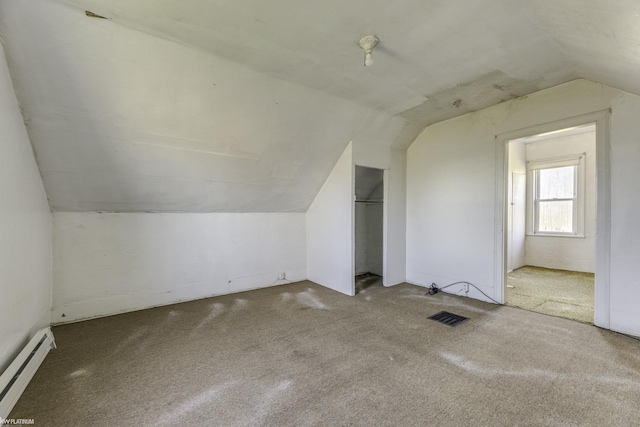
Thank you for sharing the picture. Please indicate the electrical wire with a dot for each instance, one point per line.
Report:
(286, 282)
(434, 289)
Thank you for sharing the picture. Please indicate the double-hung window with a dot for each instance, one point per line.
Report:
(556, 188)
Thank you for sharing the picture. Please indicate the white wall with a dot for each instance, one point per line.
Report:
(330, 241)
(106, 263)
(361, 241)
(516, 241)
(331, 219)
(625, 205)
(375, 243)
(575, 254)
(369, 249)
(451, 173)
(375, 230)
(25, 231)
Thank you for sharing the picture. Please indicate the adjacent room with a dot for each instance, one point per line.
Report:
(551, 202)
(319, 213)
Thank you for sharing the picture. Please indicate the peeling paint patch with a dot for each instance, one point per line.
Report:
(487, 90)
(94, 15)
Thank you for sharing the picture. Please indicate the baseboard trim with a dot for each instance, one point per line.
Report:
(17, 376)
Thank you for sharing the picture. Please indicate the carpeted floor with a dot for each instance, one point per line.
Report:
(560, 293)
(366, 281)
(301, 354)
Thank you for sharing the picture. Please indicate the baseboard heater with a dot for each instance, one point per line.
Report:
(15, 378)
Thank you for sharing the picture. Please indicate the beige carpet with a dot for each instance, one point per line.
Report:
(560, 293)
(366, 281)
(301, 354)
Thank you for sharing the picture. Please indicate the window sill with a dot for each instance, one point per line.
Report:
(570, 236)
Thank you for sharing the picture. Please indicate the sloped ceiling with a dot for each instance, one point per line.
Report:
(244, 106)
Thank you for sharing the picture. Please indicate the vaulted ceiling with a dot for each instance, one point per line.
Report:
(244, 106)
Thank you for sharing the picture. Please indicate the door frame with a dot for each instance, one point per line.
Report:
(603, 206)
(385, 198)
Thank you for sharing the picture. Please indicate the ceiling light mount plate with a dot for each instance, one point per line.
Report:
(368, 43)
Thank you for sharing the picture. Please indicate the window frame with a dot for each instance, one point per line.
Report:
(577, 160)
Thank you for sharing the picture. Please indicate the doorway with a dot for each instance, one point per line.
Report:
(551, 223)
(553, 195)
(368, 228)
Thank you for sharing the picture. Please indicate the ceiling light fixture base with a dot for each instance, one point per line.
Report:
(368, 43)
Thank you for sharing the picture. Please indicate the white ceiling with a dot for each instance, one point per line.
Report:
(242, 106)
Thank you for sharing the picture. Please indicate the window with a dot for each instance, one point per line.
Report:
(557, 197)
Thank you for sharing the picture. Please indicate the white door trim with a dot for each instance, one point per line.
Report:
(385, 219)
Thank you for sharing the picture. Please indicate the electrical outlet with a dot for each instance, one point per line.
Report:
(282, 276)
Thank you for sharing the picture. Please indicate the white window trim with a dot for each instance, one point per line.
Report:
(579, 205)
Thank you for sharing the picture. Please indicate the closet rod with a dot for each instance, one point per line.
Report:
(371, 202)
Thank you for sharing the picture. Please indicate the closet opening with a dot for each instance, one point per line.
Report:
(368, 228)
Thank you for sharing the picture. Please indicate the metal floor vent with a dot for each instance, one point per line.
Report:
(448, 319)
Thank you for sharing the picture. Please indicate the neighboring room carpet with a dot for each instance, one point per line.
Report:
(301, 354)
(557, 292)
